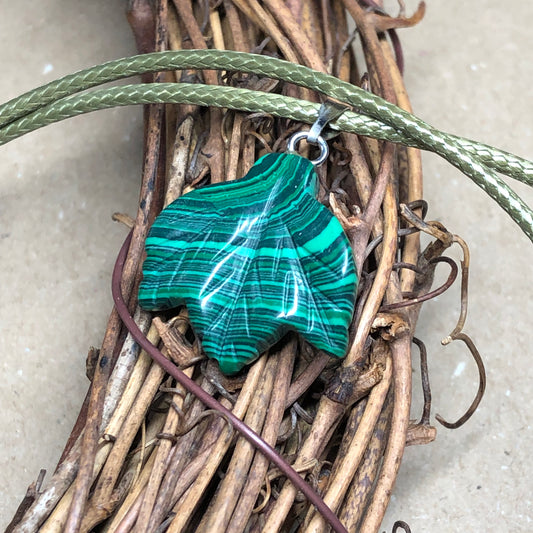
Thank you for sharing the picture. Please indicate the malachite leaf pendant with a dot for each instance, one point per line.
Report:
(253, 259)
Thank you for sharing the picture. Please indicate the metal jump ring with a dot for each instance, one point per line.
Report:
(324, 149)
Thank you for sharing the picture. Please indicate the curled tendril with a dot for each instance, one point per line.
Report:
(266, 497)
(401, 524)
(418, 204)
(203, 415)
(260, 138)
(302, 413)
(481, 387)
(426, 389)
(377, 241)
(457, 334)
(431, 294)
(264, 121)
(439, 232)
(290, 431)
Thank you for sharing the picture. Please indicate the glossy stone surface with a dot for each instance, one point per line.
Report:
(253, 259)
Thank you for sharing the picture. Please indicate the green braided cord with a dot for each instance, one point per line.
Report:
(452, 148)
(254, 101)
(191, 93)
(500, 161)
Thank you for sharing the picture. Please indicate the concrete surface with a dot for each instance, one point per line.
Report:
(468, 70)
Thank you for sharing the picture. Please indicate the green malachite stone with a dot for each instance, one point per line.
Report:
(253, 259)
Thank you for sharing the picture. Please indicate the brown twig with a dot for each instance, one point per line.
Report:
(357, 497)
(426, 412)
(31, 494)
(344, 470)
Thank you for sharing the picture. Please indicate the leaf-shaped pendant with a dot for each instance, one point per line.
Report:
(253, 259)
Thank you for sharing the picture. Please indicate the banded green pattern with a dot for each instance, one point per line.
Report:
(253, 259)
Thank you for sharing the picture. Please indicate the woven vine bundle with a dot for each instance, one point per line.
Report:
(146, 454)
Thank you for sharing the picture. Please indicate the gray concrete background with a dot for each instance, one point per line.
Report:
(468, 71)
